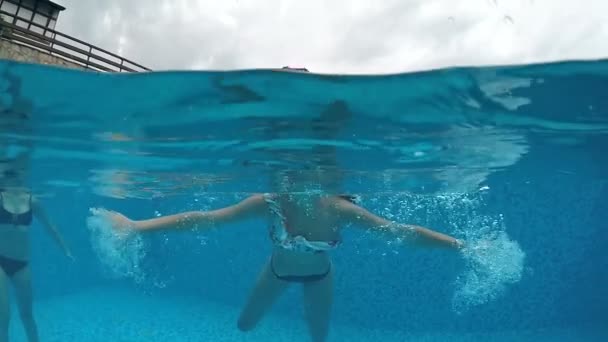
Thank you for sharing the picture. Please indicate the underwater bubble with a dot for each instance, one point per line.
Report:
(120, 254)
(491, 265)
(492, 260)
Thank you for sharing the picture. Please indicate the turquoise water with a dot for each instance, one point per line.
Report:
(516, 154)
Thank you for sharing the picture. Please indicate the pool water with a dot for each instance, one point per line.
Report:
(513, 155)
(115, 314)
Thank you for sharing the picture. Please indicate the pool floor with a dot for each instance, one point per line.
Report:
(121, 315)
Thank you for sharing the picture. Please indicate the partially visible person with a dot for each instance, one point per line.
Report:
(18, 208)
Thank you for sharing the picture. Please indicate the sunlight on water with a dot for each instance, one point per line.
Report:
(120, 254)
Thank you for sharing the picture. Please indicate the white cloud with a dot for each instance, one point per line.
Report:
(340, 36)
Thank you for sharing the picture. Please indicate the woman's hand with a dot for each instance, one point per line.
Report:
(459, 244)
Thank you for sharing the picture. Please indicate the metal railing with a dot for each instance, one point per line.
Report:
(64, 46)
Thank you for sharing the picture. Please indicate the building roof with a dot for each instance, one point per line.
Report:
(53, 5)
(56, 6)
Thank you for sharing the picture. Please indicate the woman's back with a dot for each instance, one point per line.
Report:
(310, 216)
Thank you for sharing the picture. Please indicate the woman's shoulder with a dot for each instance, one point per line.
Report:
(342, 198)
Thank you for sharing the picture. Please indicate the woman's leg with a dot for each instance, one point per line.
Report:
(4, 306)
(22, 281)
(265, 292)
(318, 298)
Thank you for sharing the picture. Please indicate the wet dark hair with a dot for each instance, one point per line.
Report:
(296, 69)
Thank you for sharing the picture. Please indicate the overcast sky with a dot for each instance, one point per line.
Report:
(340, 36)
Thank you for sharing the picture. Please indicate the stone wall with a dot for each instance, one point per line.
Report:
(22, 53)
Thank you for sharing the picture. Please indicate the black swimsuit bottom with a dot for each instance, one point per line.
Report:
(11, 266)
(299, 278)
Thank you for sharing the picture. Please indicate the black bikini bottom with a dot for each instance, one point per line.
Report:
(300, 278)
(11, 266)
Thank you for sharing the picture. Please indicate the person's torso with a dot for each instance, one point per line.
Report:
(15, 220)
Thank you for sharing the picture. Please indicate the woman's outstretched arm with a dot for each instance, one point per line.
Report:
(353, 214)
(41, 215)
(248, 208)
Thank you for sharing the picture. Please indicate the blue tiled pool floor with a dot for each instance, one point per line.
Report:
(121, 315)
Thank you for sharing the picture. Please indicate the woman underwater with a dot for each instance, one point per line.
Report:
(18, 208)
(303, 228)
